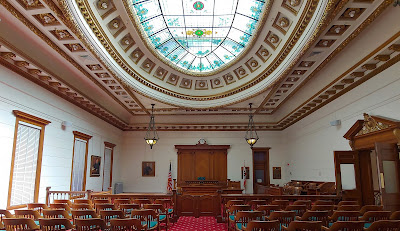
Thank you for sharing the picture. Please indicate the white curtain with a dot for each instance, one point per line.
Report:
(78, 165)
(25, 163)
(107, 168)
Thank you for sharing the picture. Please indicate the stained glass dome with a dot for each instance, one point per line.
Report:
(198, 36)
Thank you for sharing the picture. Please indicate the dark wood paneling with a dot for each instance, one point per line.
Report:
(202, 165)
(186, 205)
(367, 187)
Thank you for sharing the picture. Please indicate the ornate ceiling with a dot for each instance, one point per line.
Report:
(266, 58)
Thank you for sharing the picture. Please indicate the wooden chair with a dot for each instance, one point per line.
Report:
(100, 207)
(82, 201)
(230, 203)
(367, 208)
(56, 213)
(349, 208)
(232, 212)
(127, 208)
(101, 201)
(262, 226)
(372, 216)
(4, 214)
(284, 217)
(53, 224)
(384, 225)
(344, 216)
(92, 224)
(395, 215)
(282, 203)
(14, 224)
(118, 202)
(107, 215)
(63, 201)
(257, 203)
(27, 213)
(303, 225)
(161, 211)
(83, 214)
(315, 216)
(345, 225)
(268, 209)
(347, 203)
(324, 202)
(148, 217)
(142, 202)
(244, 217)
(82, 207)
(307, 203)
(168, 205)
(60, 206)
(129, 224)
(298, 209)
(37, 206)
(328, 208)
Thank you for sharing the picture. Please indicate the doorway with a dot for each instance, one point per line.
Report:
(260, 167)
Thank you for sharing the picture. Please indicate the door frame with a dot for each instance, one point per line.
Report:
(266, 166)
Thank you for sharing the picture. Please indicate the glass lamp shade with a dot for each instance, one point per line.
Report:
(151, 134)
(151, 142)
(251, 141)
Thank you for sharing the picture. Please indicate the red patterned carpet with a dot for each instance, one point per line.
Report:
(198, 224)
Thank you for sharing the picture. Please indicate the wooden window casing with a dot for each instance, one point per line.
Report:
(111, 146)
(82, 136)
(36, 121)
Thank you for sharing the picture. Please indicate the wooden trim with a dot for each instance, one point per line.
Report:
(27, 118)
(110, 146)
(86, 137)
(201, 147)
(82, 136)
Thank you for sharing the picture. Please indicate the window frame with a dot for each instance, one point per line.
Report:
(82, 136)
(39, 122)
(109, 146)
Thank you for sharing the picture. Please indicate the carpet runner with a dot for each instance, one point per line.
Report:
(198, 224)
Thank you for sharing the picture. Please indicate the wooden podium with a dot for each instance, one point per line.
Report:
(202, 176)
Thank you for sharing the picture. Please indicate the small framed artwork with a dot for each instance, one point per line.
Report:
(148, 168)
(247, 172)
(95, 166)
(276, 172)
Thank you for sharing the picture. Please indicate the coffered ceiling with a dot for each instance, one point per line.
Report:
(95, 54)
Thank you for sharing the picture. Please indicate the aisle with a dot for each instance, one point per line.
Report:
(198, 224)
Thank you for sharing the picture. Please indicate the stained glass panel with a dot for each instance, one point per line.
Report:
(199, 36)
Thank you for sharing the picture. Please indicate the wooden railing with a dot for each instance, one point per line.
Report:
(71, 195)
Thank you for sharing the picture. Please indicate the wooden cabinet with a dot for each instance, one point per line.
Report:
(202, 160)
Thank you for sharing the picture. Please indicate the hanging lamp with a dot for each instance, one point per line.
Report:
(251, 136)
(151, 134)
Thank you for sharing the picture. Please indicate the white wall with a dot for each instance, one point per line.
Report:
(312, 140)
(135, 150)
(17, 93)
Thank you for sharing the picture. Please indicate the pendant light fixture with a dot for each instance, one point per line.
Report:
(251, 133)
(151, 134)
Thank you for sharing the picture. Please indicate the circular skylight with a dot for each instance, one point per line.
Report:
(198, 36)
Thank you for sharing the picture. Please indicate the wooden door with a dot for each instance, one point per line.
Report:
(260, 167)
(388, 168)
(347, 171)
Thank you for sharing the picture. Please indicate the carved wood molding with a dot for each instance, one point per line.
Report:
(109, 145)
(31, 118)
(81, 135)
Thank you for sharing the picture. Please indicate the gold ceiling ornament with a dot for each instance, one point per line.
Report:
(371, 125)
(103, 4)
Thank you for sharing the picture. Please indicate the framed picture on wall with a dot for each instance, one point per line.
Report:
(95, 166)
(247, 172)
(276, 173)
(149, 168)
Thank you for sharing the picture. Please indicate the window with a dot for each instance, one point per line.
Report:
(26, 160)
(108, 161)
(198, 36)
(79, 161)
